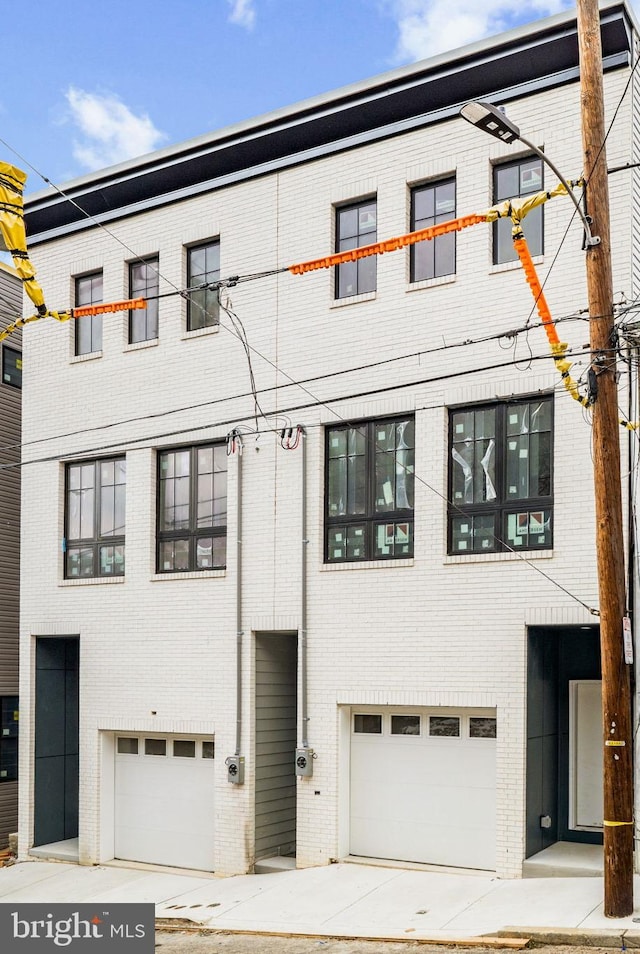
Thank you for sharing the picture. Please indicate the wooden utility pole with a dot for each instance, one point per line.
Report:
(616, 695)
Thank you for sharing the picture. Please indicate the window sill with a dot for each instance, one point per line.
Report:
(91, 580)
(189, 575)
(512, 266)
(430, 283)
(201, 332)
(141, 345)
(90, 356)
(366, 565)
(352, 299)
(498, 557)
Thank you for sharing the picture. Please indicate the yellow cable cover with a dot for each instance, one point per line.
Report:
(517, 209)
(13, 238)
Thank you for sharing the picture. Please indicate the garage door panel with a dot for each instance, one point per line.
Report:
(424, 799)
(164, 808)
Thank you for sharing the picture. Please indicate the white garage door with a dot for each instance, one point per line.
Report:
(423, 786)
(164, 800)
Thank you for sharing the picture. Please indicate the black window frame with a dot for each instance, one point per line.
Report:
(533, 232)
(503, 507)
(193, 533)
(9, 733)
(203, 309)
(440, 248)
(98, 540)
(144, 282)
(371, 519)
(364, 269)
(92, 322)
(9, 373)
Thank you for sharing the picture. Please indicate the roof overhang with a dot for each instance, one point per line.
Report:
(538, 56)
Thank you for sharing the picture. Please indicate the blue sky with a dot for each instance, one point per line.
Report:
(84, 89)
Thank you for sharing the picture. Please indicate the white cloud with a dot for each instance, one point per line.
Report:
(243, 12)
(427, 27)
(111, 132)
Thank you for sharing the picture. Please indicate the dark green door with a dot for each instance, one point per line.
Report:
(56, 740)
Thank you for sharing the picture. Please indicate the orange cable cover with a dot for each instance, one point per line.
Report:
(128, 305)
(388, 245)
(533, 281)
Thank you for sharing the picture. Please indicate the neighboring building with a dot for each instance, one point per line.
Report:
(404, 588)
(10, 405)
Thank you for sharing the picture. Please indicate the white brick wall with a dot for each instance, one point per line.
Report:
(433, 630)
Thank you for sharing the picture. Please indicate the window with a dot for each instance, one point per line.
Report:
(511, 181)
(95, 518)
(8, 738)
(89, 327)
(444, 727)
(155, 746)
(367, 724)
(482, 727)
(405, 725)
(500, 477)
(369, 490)
(12, 367)
(356, 226)
(431, 204)
(184, 748)
(192, 510)
(143, 283)
(203, 267)
(208, 749)
(127, 745)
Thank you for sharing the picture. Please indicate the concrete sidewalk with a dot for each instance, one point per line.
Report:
(340, 900)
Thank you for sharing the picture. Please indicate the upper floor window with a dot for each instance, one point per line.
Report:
(369, 490)
(356, 225)
(500, 479)
(95, 518)
(11, 366)
(192, 508)
(431, 204)
(203, 268)
(88, 329)
(513, 180)
(143, 283)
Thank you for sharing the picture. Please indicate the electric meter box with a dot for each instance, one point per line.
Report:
(235, 769)
(304, 762)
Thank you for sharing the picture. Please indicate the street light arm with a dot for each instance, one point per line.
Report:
(590, 239)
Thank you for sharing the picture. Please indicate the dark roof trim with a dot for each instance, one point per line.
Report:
(540, 56)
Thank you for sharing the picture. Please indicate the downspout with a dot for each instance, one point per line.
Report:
(304, 719)
(239, 632)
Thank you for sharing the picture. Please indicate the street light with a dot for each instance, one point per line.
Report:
(495, 122)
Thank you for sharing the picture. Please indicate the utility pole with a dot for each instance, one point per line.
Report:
(616, 694)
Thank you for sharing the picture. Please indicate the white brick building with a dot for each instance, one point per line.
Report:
(436, 657)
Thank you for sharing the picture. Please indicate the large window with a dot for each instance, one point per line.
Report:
(8, 738)
(431, 204)
(192, 508)
(203, 268)
(88, 328)
(500, 480)
(356, 225)
(95, 518)
(369, 490)
(143, 283)
(514, 180)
